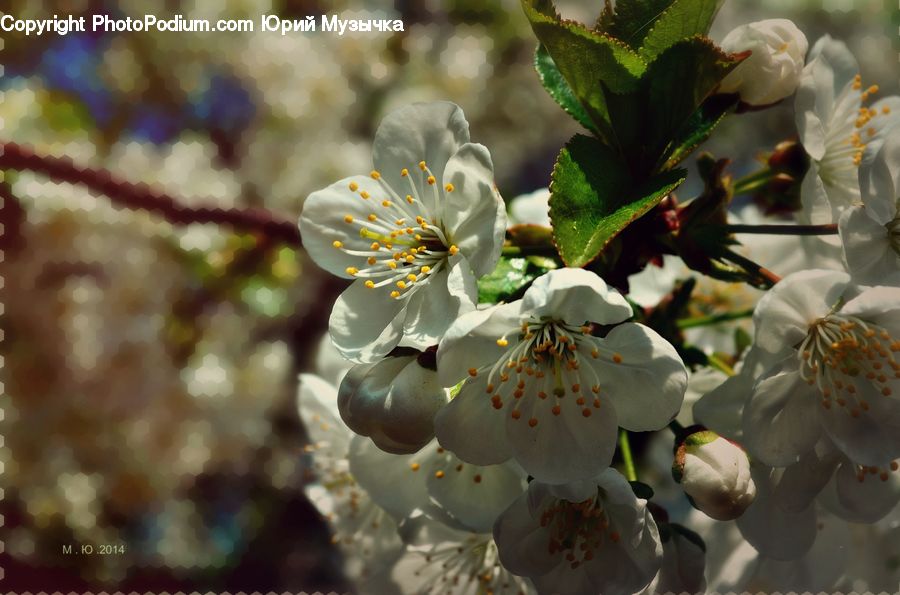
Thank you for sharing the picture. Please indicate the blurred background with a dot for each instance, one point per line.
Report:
(150, 356)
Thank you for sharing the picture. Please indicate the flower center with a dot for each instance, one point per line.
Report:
(474, 560)
(409, 243)
(883, 473)
(577, 529)
(846, 358)
(849, 134)
(545, 362)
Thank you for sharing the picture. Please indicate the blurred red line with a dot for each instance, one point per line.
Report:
(144, 197)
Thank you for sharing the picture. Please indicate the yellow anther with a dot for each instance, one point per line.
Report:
(364, 194)
(502, 342)
(395, 294)
(370, 284)
(337, 244)
(414, 466)
(617, 358)
(411, 277)
(449, 187)
(439, 474)
(386, 203)
(886, 109)
(473, 372)
(426, 269)
(401, 284)
(399, 221)
(348, 218)
(431, 180)
(422, 165)
(375, 246)
(409, 199)
(371, 260)
(372, 217)
(453, 250)
(375, 175)
(404, 172)
(392, 264)
(410, 258)
(351, 270)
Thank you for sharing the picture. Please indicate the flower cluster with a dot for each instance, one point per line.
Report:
(493, 389)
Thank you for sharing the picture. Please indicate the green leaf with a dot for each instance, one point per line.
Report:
(585, 58)
(650, 119)
(558, 88)
(632, 19)
(699, 126)
(510, 276)
(681, 20)
(593, 198)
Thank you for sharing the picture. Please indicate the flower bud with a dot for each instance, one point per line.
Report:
(772, 72)
(715, 474)
(393, 402)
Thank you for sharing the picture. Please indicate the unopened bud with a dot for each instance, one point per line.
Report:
(715, 474)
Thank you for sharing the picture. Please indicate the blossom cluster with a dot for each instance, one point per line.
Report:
(466, 441)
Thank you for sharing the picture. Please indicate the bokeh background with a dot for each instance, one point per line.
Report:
(152, 339)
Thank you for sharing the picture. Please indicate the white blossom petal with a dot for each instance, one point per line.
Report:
(364, 326)
(576, 296)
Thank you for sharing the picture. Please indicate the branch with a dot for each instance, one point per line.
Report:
(144, 198)
(784, 229)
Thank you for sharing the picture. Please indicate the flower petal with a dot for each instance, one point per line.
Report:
(322, 222)
(864, 501)
(365, 324)
(873, 436)
(783, 315)
(473, 213)
(780, 423)
(521, 541)
(429, 132)
(476, 495)
(648, 386)
(471, 428)
(379, 473)
(446, 295)
(561, 448)
(471, 342)
(867, 247)
(879, 180)
(317, 402)
(575, 296)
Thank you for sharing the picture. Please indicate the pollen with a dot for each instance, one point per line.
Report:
(364, 194)
(372, 217)
(502, 342)
(533, 422)
(351, 270)
(353, 186)
(473, 372)
(426, 269)
(556, 410)
(348, 218)
(422, 166)
(617, 358)
(449, 187)
(337, 244)
(439, 474)
(386, 203)
(375, 175)
(431, 180)
(401, 284)
(371, 260)
(395, 294)
(415, 466)
(453, 250)
(370, 284)
(404, 172)
(516, 414)
(410, 199)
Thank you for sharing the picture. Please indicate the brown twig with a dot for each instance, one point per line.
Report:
(143, 197)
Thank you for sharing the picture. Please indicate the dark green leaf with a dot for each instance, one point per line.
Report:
(593, 198)
(699, 126)
(681, 20)
(632, 19)
(508, 278)
(558, 88)
(585, 58)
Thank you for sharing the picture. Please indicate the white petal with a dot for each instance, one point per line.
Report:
(475, 495)
(722, 409)
(871, 438)
(317, 402)
(867, 247)
(471, 428)
(864, 501)
(322, 223)
(780, 422)
(429, 132)
(379, 473)
(521, 541)
(803, 481)
(365, 323)
(774, 532)
(474, 214)
(575, 296)
(531, 209)
(445, 295)
(471, 342)
(879, 180)
(783, 315)
(880, 305)
(561, 448)
(648, 386)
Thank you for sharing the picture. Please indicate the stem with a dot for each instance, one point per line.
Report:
(676, 428)
(717, 363)
(788, 230)
(142, 197)
(752, 181)
(627, 458)
(713, 319)
(751, 267)
(529, 251)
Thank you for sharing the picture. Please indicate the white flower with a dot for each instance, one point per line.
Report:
(531, 209)
(683, 563)
(837, 129)
(588, 537)
(414, 233)
(829, 368)
(871, 232)
(441, 559)
(715, 473)
(544, 390)
(393, 401)
(773, 69)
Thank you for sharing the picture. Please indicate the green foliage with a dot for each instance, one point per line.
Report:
(593, 198)
(508, 279)
(699, 126)
(681, 20)
(559, 89)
